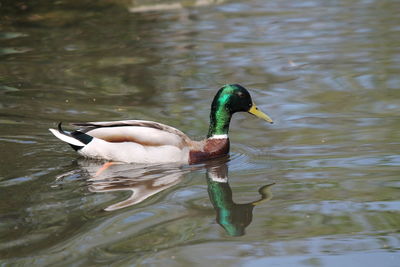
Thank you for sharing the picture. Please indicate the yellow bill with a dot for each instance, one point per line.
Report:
(258, 113)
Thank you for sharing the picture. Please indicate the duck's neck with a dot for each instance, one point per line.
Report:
(219, 122)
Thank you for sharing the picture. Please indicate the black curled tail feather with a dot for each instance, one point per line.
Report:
(82, 137)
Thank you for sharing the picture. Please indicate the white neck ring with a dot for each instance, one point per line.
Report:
(219, 136)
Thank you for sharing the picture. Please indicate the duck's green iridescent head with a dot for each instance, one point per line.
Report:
(229, 99)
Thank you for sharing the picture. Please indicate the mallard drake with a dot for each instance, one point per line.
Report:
(139, 141)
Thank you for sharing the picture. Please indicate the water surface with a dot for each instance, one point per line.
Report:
(326, 72)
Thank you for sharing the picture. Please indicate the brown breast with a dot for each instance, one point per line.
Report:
(211, 148)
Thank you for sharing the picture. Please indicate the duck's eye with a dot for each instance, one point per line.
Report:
(240, 94)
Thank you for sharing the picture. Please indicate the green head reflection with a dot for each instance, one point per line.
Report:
(234, 218)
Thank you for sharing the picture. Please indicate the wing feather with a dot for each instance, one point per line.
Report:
(147, 133)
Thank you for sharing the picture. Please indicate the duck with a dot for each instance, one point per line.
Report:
(148, 142)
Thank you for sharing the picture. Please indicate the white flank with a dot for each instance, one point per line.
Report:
(131, 152)
(219, 136)
(66, 138)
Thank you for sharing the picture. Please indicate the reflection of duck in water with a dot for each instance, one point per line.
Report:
(146, 181)
(143, 181)
(234, 218)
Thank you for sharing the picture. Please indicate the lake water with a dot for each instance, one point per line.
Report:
(320, 187)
